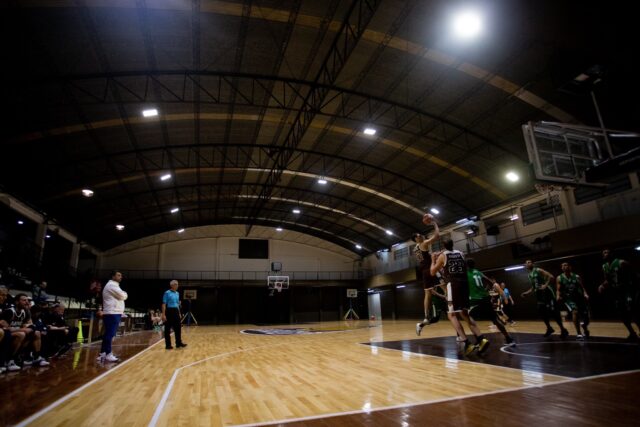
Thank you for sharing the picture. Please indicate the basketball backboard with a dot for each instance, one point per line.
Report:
(571, 154)
(278, 283)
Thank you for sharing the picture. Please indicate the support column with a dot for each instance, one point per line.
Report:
(75, 256)
(41, 232)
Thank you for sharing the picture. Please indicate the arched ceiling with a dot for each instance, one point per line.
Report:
(258, 99)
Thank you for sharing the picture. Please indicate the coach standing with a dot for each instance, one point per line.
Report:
(171, 315)
(112, 309)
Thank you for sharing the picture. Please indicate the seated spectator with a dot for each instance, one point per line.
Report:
(11, 341)
(61, 334)
(19, 319)
(38, 294)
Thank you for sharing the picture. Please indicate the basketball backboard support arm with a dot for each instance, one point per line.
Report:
(570, 154)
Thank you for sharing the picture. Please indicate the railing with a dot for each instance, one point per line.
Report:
(234, 275)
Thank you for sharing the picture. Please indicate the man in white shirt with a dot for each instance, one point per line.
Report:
(112, 308)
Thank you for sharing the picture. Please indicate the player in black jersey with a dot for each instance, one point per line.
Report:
(429, 282)
(454, 266)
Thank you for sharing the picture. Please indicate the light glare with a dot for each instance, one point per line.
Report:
(467, 24)
(174, 210)
(370, 131)
(152, 112)
(165, 177)
(87, 193)
(120, 227)
(435, 211)
(512, 176)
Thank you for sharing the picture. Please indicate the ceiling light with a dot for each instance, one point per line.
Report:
(389, 232)
(322, 181)
(174, 210)
(87, 193)
(360, 247)
(514, 217)
(369, 131)
(279, 229)
(512, 176)
(467, 24)
(296, 211)
(401, 286)
(435, 211)
(48, 236)
(181, 230)
(120, 227)
(515, 267)
(165, 177)
(20, 222)
(470, 231)
(462, 221)
(637, 248)
(152, 112)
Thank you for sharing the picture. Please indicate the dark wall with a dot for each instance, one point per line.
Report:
(250, 304)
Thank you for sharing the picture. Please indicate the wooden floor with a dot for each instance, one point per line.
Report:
(225, 377)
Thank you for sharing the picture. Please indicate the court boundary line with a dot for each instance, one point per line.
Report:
(431, 402)
(504, 347)
(73, 393)
(167, 391)
(465, 361)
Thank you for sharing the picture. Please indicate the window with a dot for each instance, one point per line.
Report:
(539, 211)
(401, 253)
(253, 248)
(588, 194)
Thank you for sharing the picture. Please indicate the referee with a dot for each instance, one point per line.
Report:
(171, 315)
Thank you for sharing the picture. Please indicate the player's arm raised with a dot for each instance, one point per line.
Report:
(424, 246)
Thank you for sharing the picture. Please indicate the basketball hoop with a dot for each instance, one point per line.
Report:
(278, 286)
(551, 193)
(277, 283)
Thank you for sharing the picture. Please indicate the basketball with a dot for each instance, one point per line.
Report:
(427, 219)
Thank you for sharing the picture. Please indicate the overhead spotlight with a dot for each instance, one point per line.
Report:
(401, 286)
(512, 176)
(48, 236)
(152, 112)
(87, 193)
(470, 231)
(165, 177)
(637, 248)
(360, 247)
(369, 131)
(514, 217)
(435, 211)
(20, 222)
(514, 267)
(389, 232)
(322, 181)
(467, 24)
(279, 229)
(174, 210)
(296, 211)
(120, 227)
(181, 230)
(462, 221)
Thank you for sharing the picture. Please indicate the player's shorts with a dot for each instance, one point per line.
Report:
(573, 304)
(458, 296)
(428, 281)
(482, 309)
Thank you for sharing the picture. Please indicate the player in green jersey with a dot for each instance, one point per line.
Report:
(480, 302)
(618, 279)
(540, 281)
(572, 293)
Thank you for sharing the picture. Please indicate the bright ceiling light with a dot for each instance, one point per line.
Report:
(322, 181)
(637, 248)
(48, 236)
(462, 221)
(279, 229)
(174, 210)
(401, 286)
(20, 222)
(389, 232)
(512, 176)
(165, 177)
(369, 131)
(181, 230)
(152, 112)
(87, 193)
(360, 247)
(470, 231)
(120, 227)
(467, 24)
(296, 211)
(515, 267)
(435, 211)
(514, 217)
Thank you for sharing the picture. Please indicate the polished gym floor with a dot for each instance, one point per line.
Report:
(335, 373)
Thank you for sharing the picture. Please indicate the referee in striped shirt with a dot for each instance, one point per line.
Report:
(171, 315)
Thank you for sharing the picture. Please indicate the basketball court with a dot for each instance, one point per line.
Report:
(342, 373)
